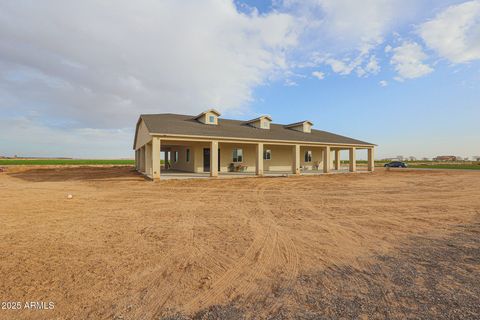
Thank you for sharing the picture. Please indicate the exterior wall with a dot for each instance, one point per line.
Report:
(226, 155)
(182, 163)
(282, 158)
(143, 136)
(317, 157)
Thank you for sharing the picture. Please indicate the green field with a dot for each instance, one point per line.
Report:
(446, 166)
(40, 162)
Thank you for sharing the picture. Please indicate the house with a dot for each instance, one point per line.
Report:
(208, 143)
(445, 158)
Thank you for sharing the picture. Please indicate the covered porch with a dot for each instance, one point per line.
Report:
(173, 158)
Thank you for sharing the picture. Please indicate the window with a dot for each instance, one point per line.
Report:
(211, 119)
(175, 156)
(187, 155)
(308, 156)
(264, 125)
(237, 155)
(267, 154)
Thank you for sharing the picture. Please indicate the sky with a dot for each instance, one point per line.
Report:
(403, 74)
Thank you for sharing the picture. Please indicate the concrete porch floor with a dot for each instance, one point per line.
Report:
(176, 174)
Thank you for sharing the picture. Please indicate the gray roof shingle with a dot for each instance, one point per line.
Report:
(169, 123)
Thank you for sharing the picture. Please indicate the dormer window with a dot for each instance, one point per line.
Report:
(208, 117)
(262, 122)
(303, 126)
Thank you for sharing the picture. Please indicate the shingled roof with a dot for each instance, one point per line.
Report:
(177, 124)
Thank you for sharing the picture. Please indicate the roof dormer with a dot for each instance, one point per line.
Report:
(303, 126)
(262, 122)
(209, 117)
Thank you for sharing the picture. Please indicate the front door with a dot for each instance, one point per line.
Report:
(206, 160)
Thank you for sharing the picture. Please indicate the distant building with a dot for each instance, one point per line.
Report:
(445, 158)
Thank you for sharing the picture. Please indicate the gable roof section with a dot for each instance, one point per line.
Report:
(258, 119)
(296, 124)
(209, 110)
(176, 124)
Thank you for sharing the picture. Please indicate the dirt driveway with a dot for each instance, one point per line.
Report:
(392, 244)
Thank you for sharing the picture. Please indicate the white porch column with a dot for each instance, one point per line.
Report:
(296, 159)
(326, 160)
(148, 159)
(142, 159)
(353, 159)
(156, 158)
(337, 159)
(214, 159)
(371, 160)
(259, 159)
(136, 159)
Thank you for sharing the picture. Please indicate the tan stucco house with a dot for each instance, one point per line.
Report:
(208, 143)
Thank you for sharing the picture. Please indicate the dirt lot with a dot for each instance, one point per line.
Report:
(393, 244)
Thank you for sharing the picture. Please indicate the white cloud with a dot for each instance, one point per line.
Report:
(408, 60)
(383, 83)
(372, 65)
(100, 65)
(319, 75)
(455, 32)
(23, 136)
(290, 83)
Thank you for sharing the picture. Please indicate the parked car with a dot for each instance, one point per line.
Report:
(395, 164)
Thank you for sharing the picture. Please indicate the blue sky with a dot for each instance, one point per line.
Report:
(402, 74)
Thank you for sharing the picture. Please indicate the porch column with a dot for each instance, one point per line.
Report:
(167, 159)
(337, 159)
(326, 160)
(214, 159)
(136, 159)
(296, 159)
(156, 158)
(148, 159)
(371, 160)
(142, 159)
(353, 159)
(259, 160)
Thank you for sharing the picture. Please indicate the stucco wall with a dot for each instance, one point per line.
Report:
(143, 136)
(317, 156)
(182, 163)
(281, 160)
(226, 155)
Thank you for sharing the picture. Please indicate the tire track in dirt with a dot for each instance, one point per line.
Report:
(248, 266)
(286, 249)
(269, 249)
(161, 285)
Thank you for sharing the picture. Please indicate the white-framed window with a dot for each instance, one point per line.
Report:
(187, 155)
(175, 156)
(267, 154)
(308, 156)
(264, 124)
(237, 155)
(211, 119)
